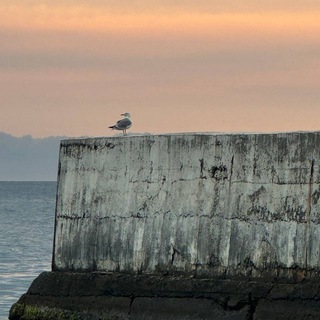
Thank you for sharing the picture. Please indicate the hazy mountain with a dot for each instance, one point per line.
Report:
(28, 159)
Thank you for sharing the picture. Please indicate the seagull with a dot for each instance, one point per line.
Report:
(123, 124)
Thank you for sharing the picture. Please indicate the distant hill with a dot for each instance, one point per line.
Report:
(28, 159)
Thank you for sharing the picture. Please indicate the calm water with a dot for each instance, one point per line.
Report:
(26, 237)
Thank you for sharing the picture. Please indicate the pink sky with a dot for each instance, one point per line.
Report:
(195, 66)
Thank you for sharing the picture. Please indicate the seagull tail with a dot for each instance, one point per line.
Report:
(112, 127)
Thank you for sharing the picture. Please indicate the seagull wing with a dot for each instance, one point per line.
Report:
(124, 124)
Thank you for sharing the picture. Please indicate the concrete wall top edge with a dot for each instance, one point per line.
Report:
(180, 134)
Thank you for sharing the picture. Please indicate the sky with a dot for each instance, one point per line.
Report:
(72, 67)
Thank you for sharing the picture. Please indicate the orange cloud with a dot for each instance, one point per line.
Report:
(226, 67)
(80, 18)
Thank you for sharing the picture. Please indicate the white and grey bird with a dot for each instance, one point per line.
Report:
(123, 124)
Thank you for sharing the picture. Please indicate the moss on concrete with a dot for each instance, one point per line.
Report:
(31, 312)
(16, 311)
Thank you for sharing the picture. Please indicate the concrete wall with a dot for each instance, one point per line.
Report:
(204, 204)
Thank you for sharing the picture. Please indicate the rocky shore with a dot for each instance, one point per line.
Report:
(98, 295)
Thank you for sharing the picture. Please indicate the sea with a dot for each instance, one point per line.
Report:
(26, 237)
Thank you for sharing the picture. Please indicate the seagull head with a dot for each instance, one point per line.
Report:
(126, 115)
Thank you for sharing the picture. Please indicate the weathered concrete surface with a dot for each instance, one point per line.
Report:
(190, 226)
(202, 204)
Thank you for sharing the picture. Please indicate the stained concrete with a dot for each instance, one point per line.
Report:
(204, 204)
(184, 226)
